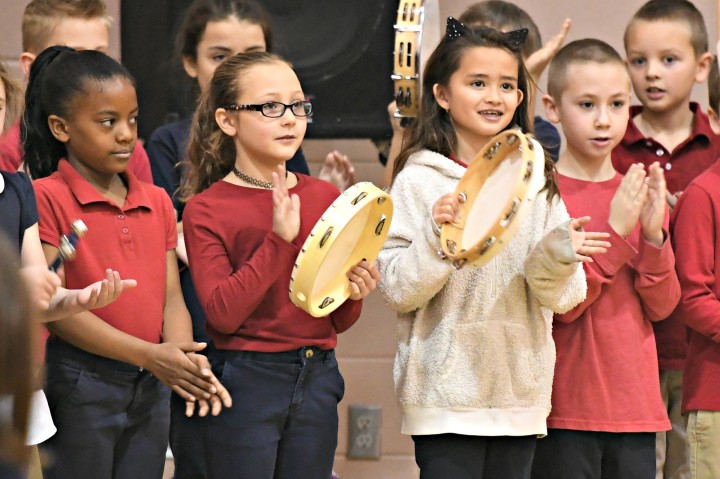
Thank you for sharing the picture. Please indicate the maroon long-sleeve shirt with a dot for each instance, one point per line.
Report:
(695, 227)
(606, 374)
(241, 269)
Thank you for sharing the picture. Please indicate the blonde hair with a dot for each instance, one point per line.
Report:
(210, 152)
(13, 97)
(42, 16)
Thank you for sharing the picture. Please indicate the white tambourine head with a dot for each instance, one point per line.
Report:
(352, 229)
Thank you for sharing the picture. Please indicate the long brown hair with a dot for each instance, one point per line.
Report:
(211, 153)
(433, 129)
(17, 361)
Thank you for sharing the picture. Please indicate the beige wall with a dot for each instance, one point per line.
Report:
(367, 350)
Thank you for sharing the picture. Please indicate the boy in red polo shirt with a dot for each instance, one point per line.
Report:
(666, 46)
(82, 25)
(606, 403)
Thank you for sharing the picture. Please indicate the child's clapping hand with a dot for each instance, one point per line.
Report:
(286, 208)
(628, 201)
(652, 214)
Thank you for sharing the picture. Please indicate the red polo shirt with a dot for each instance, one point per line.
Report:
(683, 164)
(690, 158)
(132, 239)
(11, 154)
(695, 227)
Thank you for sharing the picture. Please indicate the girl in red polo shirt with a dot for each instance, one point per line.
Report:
(244, 226)
(107, 367)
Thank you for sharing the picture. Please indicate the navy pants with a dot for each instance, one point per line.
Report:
(568, 454)
(112, 417)
(283, 422)
(187, 441)
(445, 456)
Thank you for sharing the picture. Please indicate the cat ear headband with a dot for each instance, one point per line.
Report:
(514, 40)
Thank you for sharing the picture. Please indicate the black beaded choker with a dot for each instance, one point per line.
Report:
(268, 185)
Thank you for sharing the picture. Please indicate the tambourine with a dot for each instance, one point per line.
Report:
(499, 187)
(353, 228)
(417, 33)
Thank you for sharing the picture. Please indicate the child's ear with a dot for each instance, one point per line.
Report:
(26, 59)
(551, 109)
(440, 95)
(714, 120)
(58, 128)
(190, 66)
(521, 95)
(703, 67)
(225, 121)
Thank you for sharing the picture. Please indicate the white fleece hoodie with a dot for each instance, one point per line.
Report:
(475, 350)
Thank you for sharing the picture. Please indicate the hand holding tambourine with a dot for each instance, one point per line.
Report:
(337, 260)
(492, 199)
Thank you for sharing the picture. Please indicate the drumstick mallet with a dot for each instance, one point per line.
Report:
(68, 243)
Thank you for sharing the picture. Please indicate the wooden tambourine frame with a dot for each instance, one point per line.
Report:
(417, 33)
(499, 186)
(353, 228)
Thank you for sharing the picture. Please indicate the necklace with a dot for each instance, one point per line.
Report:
(268, 185)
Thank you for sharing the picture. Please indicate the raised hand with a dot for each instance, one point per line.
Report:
(338, 170)
(652, 214)
(364, 278)
(102, 293)
(628, 201)
(447, 208)
(539, 60)
(586, 243)
(286, 208)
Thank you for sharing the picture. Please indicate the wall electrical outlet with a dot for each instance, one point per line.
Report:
(364, 431)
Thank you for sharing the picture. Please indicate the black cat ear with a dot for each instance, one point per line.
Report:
(516, 38)
(455, 29)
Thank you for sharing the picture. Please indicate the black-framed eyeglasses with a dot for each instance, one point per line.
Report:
(275, 109)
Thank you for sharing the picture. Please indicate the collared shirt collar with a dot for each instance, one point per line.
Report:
(700, 127)
(86, 194)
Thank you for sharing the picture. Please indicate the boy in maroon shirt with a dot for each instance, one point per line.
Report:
(666, 45)
(606, 404)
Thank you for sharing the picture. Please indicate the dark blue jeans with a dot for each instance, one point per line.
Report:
(568, 454)
(283, 422)
(456, 456)
(187, 441)
(112, 417)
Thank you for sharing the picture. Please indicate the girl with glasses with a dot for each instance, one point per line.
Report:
(245, 221)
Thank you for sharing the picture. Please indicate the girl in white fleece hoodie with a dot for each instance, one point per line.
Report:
(474, 366)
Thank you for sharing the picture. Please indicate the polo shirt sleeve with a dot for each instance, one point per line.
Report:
(48, 223)
(168, 217)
